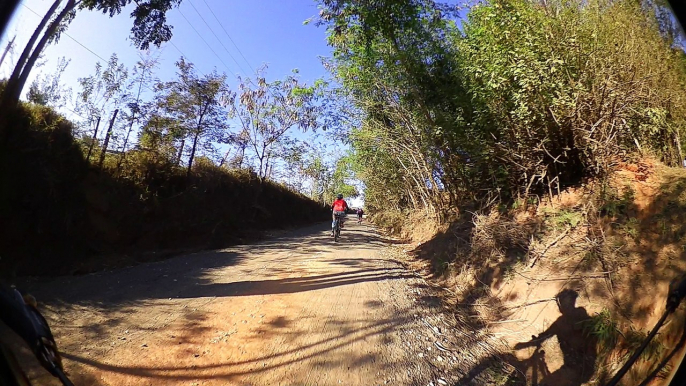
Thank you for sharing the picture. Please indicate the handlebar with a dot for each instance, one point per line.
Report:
(20, 313)
(677, 292)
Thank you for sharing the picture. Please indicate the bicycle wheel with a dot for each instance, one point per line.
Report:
(337, 233)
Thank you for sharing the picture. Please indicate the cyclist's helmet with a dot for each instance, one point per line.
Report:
(340, 196)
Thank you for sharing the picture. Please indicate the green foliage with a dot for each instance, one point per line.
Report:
(633, 340)
(605, 328)
(390, 220)
(149, 18)
(523, 99)
(632, 227)
(325, 175)
(189, 113)
(614, 205)
(267, 111)
(440, 263)
(47, 90)
(566, 218)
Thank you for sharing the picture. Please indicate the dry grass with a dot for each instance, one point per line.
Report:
(617, 243)
(495, 236)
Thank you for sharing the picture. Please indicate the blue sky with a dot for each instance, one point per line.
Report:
(261, 32)
(266, 32)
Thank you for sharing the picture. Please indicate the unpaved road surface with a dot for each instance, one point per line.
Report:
(295, 310)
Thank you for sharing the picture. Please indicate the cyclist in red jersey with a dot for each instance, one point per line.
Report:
(338, 207)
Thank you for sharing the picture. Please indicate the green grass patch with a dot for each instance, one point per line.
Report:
(605, 328)
(563, 218)
(614, 205)
(632, 227)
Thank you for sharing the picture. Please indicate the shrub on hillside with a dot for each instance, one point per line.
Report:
(524, 98)
(58, 210)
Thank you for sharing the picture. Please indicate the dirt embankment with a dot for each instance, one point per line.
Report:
(570, 287)
(61, 214)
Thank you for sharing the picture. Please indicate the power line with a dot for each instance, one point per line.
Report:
(69, 36)
(177, 48)
(74, 112)
(228, 35)
(203, 39)
(215, 35)
(98, 56)
(232, 42)
(89, 50)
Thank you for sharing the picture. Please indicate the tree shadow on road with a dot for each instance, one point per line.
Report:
(317, 356)
(179, 276)
(290, 285)
(109, 301)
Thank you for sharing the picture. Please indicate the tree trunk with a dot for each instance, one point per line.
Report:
(198, 130)
(178, 157)
(126, 140)
(315, 189)
(267, 166)
(123, 149)
(241, 156)
(133, 118)
(226, 156)
(7, 8)
(261, 158)
(190, 159)
(21, 81)
(16, 73)
(95, 138)
(677, 139)
(107, 139)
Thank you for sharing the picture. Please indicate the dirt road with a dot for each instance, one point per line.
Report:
(295, 310)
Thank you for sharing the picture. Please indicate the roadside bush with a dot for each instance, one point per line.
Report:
(523, 98)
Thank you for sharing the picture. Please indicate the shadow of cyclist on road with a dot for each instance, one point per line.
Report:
(578, 349)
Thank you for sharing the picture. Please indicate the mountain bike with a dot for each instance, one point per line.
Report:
(536, 363)
(338, 219)
(677, 292)
(20, 313)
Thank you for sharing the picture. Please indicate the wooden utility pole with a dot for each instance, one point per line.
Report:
(107, 139)
(7, 49)
(95, 138)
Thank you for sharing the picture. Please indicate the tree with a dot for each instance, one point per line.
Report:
(341, 181)
(267, 111)
(29, 56)
(393, 61)
(149, 27)
(195, 105)
(9, 48)
(294, 153)
(141, 77)
(47, 90)
(102, 93)
(319, 173)
(160, 135)
(524, 98)
(239, 143)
